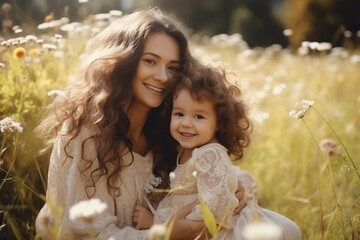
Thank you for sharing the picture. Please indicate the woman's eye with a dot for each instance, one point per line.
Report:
(199, 117)
(174, 69)
(150, 61)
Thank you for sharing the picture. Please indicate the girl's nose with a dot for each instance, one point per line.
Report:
(161, 74)
(186, 122)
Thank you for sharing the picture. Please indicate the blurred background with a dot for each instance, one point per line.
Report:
(260, 22)
(286, 52)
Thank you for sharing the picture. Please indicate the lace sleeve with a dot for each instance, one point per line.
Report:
(67, 186)
(216, 184)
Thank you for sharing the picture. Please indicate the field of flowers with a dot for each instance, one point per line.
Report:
(305, 105)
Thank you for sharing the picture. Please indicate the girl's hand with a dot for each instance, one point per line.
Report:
(142, 217)
(241, 196)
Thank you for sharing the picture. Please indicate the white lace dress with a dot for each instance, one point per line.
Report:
(66, 187)
(210, 175)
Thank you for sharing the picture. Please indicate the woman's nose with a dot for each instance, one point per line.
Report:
(161, 74)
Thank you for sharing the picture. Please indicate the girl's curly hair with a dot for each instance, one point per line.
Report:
(212, 84)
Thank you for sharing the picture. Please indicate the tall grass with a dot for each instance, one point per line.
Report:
(297, 176)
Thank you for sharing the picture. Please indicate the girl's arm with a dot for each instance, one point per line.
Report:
(216, 184)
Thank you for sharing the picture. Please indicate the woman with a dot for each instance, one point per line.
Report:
(105, 131)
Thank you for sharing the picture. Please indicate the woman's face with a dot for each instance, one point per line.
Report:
(159, 63)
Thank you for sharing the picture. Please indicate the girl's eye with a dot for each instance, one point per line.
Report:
(199, 117)
(178, 114)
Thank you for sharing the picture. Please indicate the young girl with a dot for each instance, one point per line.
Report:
(210, 123)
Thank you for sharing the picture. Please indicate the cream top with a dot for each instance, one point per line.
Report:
(67, 186)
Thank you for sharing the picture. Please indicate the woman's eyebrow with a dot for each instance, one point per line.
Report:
(159, 57)
(152, 54)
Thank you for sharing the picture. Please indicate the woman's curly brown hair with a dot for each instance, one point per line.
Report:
(102, 87)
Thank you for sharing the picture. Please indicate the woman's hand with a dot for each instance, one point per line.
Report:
(142, 217)
(241, 196)
(183, 229)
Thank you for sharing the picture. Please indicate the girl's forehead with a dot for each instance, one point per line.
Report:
(199, 96)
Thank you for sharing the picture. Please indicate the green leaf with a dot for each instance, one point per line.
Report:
(209, 218)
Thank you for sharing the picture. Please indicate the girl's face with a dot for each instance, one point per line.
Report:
(158, 65)
(193, 123)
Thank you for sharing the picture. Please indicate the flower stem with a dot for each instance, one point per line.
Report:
(338, 138)
(320, 195)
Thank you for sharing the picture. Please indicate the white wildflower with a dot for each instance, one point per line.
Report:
(54, 93)
(116, 13)
(102, 16)
(58, 36)
(31, 38)
(302, 51)
(314, 45)
(260, 116)
(278, 89)
(324, 46)
(87, 210)
(305, 44)
(152, 182)
(301, 108)
(355, 59)
(8, 125)
(288, 32)
(347, 34)
(19, 30)
(49, 46)
(345, 169)
(15, 27)
(157, 231)
(329, 146)
(262, 231)
(172, 175)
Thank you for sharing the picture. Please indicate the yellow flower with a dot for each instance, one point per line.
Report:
(34, 52)
(49, 17)
(19, 52)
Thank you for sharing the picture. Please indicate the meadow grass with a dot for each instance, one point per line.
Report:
(297, 175)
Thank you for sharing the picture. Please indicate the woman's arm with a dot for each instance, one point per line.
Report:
(240, 194)
(248, 182)
(182, 229)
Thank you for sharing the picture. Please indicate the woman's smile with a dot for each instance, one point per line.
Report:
(153, 88)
